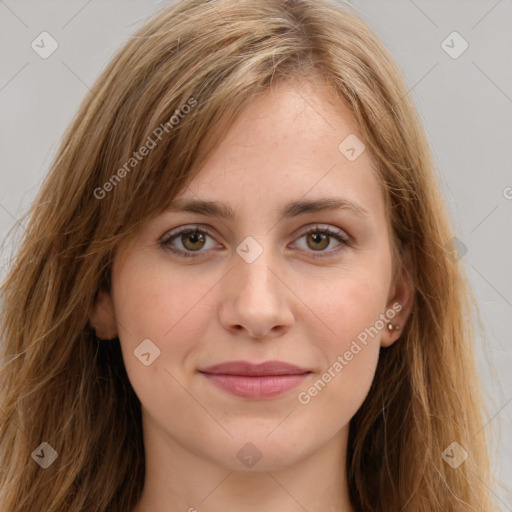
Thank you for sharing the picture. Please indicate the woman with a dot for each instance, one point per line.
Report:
(236, 290)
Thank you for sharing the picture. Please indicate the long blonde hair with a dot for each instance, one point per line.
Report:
(60, 385)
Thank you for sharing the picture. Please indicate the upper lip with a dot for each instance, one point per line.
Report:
(255, 369)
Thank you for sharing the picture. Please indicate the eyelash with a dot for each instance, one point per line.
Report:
(336, 234)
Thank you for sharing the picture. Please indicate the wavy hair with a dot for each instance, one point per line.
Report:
(63, 386)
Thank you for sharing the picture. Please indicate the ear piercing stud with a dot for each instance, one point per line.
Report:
(391, 327)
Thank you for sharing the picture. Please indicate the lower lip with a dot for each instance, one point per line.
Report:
(256, 387)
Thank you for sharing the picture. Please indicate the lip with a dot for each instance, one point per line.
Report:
(255, 380)
(246, 368)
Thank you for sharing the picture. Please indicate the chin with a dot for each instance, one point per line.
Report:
(254, 451)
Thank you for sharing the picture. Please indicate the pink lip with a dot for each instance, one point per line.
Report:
(249, 380)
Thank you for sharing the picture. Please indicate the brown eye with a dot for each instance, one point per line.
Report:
(191, 242)
(319, 238)
(319, 241)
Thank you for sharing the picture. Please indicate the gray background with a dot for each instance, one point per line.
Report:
(465, 104)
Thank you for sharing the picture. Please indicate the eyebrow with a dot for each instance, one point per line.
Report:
(293, 209)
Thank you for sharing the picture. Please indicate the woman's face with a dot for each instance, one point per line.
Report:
(255, 287)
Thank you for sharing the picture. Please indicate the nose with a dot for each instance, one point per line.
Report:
(256, 299)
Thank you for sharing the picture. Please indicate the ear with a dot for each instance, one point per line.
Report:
(102, 317)
(400, 301)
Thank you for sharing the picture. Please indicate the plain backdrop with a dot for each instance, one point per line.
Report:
(465, 100)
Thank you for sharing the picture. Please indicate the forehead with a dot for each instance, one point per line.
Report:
(290, 143)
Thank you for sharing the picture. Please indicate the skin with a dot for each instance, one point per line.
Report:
(286, 305)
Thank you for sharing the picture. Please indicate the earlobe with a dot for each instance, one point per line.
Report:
(400, 302)
(102, 317)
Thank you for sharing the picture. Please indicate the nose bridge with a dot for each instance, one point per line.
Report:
(255, 279)
(255, 297)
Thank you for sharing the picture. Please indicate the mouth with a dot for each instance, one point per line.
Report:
(257, 381)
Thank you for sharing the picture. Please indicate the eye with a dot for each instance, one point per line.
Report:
(319, 237)
(192, 240)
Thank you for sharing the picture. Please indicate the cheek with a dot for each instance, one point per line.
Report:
(350, 305)
(352, 325)
(335, 394)
(153, 304)
(151, 300)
